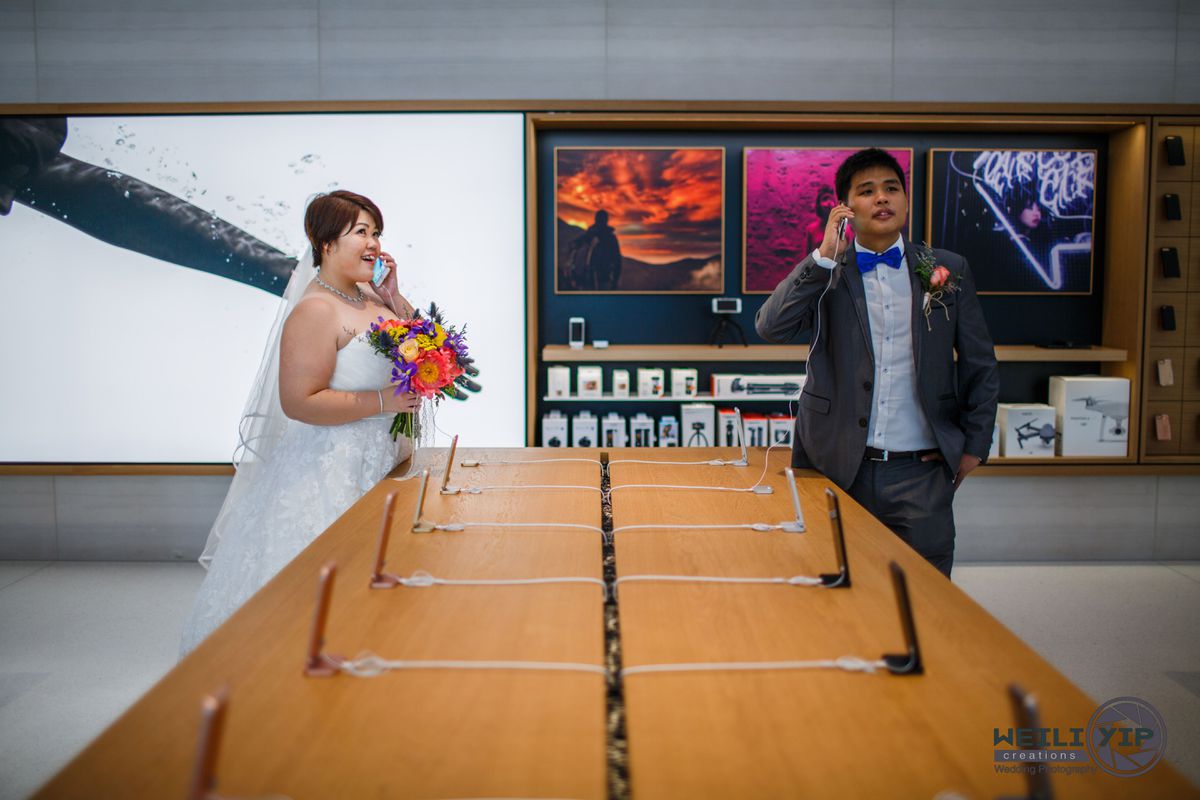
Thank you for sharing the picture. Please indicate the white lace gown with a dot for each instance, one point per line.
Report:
(315, 474)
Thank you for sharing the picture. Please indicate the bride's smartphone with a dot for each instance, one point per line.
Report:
(381, 272)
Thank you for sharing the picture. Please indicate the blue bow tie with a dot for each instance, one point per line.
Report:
(868, 261)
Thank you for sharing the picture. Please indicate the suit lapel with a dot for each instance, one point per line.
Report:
(918, 304)
(854, 284)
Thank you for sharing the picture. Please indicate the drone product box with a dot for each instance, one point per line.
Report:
(727, 435)
(620, 383)
(668, 431)
(641, 430)
(684, 382)
(994, 450)
(590, 382)
(781, 427)
(1027, 430)
(728, 386)
(697, 427)
(558, 382)
(585, 430)
(1091, 415)
(755, 426)
(612, 430)
(650, 382)
(554, 429)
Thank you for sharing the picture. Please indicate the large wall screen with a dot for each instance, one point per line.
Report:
(144, 258)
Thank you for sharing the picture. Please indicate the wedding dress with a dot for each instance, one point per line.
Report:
(318, 472)
(293, 479)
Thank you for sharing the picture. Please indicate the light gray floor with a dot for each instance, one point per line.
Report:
(79, 642)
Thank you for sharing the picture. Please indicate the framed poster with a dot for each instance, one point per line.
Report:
(788, 194)
(639, 220)
(1023, 218)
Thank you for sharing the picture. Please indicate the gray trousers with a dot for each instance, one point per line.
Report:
(913, 499)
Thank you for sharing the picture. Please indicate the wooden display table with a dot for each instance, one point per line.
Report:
(430, 734)
(465, 733)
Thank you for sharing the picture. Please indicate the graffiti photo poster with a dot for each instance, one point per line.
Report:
(1024, 219)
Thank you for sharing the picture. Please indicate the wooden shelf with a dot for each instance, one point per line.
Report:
(702, 396)
(653, 353)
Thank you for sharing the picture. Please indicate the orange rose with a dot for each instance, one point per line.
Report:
(939, 277)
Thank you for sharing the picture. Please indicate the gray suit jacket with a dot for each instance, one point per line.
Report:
(831, 426)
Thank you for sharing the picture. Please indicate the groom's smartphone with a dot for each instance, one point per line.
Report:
(381, 272)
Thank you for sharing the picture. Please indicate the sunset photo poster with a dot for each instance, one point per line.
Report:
(639, 220)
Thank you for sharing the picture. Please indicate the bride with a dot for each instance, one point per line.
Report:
(314, 437)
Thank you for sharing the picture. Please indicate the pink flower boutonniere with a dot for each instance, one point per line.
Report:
(937, 281)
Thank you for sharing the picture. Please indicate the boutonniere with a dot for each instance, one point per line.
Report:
(936, 280)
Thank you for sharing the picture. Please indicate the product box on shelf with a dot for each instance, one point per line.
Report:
(554, 429)
(696, 428)
(620, 383)
(584, 430)
(641, 431)
(756, 428)
(684, 382)
(781, 426)
(612, 430)
(650, 382)
(1091, 414)
(590, 382)
(668, 431)
(727, 435)
(1027, 430)
(558, 382)
(729, 386)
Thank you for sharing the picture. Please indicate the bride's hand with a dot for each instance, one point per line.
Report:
(389, 290)
(393, 403)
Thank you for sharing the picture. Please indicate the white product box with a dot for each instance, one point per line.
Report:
(558, 381)
(668, 431)
(620, 383)
(1027, 430)
(590, 382)
(727, 435)
(697, 427)
(756, 429)
(585, 430)
(554, 429)
(728, 386)
(1091, 415)
(641, 431)
(994, 450)
(612, 430)
(650, 382)
(684, 382)
(781, 427)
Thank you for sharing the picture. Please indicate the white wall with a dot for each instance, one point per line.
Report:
(1106, 51)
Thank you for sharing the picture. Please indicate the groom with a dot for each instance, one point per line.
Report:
(885, 413)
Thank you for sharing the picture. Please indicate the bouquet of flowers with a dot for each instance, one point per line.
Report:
(427, 356)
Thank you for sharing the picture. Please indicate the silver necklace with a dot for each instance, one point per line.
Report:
(361, 295)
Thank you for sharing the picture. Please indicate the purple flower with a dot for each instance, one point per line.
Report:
(458, 343)
(402, 375)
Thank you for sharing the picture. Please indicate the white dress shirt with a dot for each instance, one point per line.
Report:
(897, 421)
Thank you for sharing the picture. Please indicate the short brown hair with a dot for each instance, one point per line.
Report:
(330, 215)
